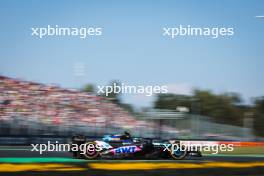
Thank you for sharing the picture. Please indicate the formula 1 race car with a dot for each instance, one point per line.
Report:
(126, 147)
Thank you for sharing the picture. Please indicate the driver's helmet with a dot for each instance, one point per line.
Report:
(127, 134)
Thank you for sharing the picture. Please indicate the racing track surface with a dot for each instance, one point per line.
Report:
(21, 161)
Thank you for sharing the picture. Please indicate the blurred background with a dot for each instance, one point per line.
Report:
(32, 112)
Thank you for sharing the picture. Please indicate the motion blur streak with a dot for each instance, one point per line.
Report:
(38, 167)
(150, 166)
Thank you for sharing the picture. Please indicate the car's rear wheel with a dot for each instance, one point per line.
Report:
(91, 151)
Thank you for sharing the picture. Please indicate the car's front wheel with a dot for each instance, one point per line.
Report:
(178, 151)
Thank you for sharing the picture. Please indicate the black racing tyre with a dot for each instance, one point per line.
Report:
(178, 151)
(91, 153)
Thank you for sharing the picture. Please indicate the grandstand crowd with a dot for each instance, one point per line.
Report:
(51, 104)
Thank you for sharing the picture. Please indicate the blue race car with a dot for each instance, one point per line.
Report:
(123, 146)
